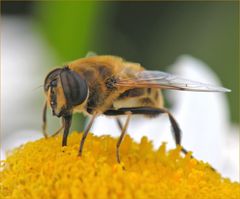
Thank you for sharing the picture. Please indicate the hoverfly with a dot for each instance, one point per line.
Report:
(111, 86)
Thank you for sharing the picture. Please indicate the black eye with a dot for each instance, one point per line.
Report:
(75, 87)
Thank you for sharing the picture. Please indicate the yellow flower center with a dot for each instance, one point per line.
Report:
(44, 169)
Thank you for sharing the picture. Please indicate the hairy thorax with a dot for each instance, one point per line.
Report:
(101, 75)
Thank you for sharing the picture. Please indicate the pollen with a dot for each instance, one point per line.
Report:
(44, 169)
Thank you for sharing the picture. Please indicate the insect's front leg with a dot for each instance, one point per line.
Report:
(44, 118)
(67, 120)
(59, 130)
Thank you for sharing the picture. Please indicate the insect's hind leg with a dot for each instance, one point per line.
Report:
(151, 111)
(176, 131)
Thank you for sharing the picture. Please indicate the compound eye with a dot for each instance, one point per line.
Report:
(75, 87)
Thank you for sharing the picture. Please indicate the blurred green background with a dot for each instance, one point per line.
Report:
(152, 33)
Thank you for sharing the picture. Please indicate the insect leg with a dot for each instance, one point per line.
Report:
(59, 130)
(176, 131)
(153, 112)
(44, 126)
(67, 120)
(86, 133)
(124, 129)
(44, 118)
(119, 123)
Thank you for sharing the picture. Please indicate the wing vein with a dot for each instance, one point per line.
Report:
(162, 80)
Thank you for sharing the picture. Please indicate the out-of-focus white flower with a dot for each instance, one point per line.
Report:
(16, 139)
(24, 57)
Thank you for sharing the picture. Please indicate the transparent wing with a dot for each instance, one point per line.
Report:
(162, 80)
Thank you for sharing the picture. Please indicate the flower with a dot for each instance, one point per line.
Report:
(44, 169)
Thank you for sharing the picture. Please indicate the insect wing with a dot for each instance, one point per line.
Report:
(162, 80)
(91, 54)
